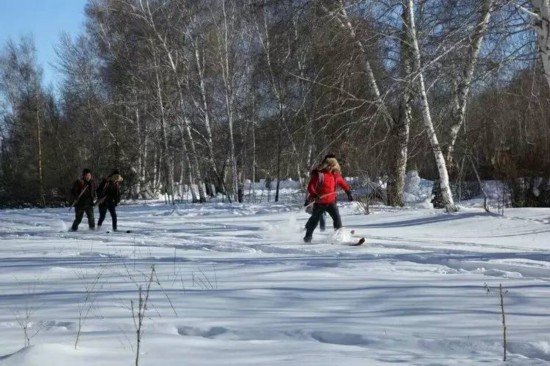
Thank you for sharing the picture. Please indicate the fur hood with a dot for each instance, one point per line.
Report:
(116, 178)
(330, 165)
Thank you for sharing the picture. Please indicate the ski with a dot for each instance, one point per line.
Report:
(359, 242)
(346, 238)
(350, 243)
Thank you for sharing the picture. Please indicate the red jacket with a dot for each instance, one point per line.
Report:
(327, 190)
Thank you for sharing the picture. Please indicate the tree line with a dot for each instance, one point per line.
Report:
(209, 94)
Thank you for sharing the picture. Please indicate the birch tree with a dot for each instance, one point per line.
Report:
(203, 105)
(166, 157)
(398, 129)
(173, 58)
(277, 83)
(20, 90)
(426, 113)
(228, 41)
(126, 121)
(402, 126)
(464, 82)
(541, 23)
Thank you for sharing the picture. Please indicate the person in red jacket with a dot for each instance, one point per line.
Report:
(322, 189)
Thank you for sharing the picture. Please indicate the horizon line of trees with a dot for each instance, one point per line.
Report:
(212, 93)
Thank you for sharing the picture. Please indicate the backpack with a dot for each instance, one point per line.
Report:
(320, 182)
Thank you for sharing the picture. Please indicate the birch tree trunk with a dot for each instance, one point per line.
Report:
(155, 169)
(266, 46)
(426, 114)
(400, 128)
(40, 169)
(542, 27)
(194, 161)
(190, 169)
(253, 125)
(206, 115)
(229, 95)
(345, 23)
(166, 158)
(142, 151)
(194, 172)
(465, 82)
(280, 53)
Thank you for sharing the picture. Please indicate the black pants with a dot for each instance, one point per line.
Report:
(318, 211)
(322, 222)
(79, 213)
(103, 212)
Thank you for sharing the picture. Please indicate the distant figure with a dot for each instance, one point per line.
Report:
(322, 190)
(84, 192)
(108, 197)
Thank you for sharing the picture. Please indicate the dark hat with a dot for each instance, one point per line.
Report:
(114, 172)
(329, 156)
(86, 171)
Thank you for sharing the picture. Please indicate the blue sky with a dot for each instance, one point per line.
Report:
(44, 20)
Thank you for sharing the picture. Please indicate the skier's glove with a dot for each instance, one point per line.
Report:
(350, 197)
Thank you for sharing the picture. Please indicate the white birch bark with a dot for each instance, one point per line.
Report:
(190, 169)
(301, 57)
(254, 149)
(229, 96)
(541, 17)
(401, 130)
(265, 41)
(465, 82)
(194, 167)
(345, 23)
(166, 158)
(206, 113)
(426, 114)
(139, 186)
(402, 127)
(143, 186)
(156, 170)
(39, 147)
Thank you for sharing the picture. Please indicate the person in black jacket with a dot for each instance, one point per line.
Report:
(108, 197)
(84, 193)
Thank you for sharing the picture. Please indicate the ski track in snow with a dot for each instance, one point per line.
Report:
(225, 238)
(424, 261)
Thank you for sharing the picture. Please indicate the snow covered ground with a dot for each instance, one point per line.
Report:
(234, 284)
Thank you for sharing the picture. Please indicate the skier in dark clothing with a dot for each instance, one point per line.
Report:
(108, 194)
(322, 189)
(84, 193)
(309, 207)
(310, 201)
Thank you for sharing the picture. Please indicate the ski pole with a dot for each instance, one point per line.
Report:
(99, 201)
(323, 196)
(77, 198)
